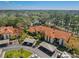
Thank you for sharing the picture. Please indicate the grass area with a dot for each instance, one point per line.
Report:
(74, 44)
(76, 51)
(20, 53)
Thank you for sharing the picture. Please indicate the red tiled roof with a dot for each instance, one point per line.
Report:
(9, 30)
(51, 32)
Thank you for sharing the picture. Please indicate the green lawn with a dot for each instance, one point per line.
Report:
(21, 53)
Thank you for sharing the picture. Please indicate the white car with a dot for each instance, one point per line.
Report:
(35, 56)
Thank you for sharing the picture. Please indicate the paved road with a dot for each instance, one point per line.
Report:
(33, 50)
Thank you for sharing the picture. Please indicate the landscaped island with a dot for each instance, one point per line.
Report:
(20, 53)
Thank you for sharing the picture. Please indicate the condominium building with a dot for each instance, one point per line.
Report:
(6, 32)
(52, 34)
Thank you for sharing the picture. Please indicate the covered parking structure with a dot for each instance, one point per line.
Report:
(47, 48)
(4, 43)
(4, 40)
(28, 42)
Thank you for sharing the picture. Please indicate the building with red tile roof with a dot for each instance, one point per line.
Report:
(9, 30)
(51, 32)
(6, 32)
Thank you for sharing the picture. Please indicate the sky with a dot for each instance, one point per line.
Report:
(39, 5)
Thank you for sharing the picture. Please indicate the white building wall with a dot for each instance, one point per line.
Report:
(51, 40)
(4, 36)
(62, 42)
(45, 38)
(4, 41)
(48, 39)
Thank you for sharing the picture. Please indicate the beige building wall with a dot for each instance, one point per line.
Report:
(4, 41)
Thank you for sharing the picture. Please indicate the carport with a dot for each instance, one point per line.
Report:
(4, 43)
(47, 48)
(28, 42)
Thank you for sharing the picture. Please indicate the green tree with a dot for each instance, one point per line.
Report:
(13, 37)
